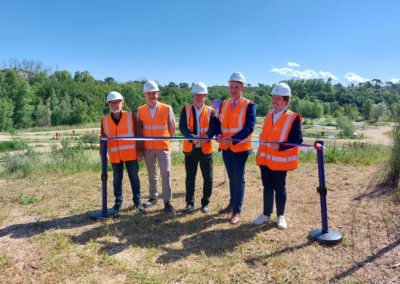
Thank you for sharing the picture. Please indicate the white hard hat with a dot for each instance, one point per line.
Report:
(237, 77)
(282, 89)
(114, 96)
(199, 88)
(150, 86)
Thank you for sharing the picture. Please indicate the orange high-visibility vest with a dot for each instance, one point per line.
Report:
(155, 127)
(120, 150)
(206, 147)
(232, 122)
(276, 160)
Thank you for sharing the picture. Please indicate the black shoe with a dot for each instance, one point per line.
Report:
(150, 203)
(140, 207)
(117, 206)
(205, 209)
(188, 209)
(168, 207)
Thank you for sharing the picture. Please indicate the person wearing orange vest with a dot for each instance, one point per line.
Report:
(280, 126)
(237, 120)
(198, 120)
(121, 123)
(157, 120)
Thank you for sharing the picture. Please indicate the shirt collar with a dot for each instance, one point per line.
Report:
(154, 106)
(112, 114)
(282, 111)
(237, 100)
(201, 109)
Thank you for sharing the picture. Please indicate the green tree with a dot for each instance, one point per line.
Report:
(6, 114)
(43, 114)
(378, 111)
(337, 114)
(366, 109)
(317, 109)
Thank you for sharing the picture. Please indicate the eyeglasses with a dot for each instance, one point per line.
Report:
(115, 103)
(199, 95)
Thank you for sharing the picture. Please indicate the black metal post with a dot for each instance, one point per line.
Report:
(104, 213)
(323, 235)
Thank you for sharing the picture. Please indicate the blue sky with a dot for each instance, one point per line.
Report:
(191, 41)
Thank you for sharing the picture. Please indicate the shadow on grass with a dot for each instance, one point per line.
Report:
(252, 261)
(361, 264)
(27, 230)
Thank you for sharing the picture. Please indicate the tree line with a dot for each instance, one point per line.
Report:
(46, 98)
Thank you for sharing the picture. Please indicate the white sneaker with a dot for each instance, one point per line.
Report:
(261, 219)
(281, 222)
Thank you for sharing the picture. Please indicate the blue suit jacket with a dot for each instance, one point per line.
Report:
(248, 127)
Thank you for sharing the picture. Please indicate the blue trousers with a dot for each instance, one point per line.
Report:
(133, 169)
(274, 181)
(235, 164)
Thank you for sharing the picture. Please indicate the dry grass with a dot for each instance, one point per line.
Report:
(53, 240)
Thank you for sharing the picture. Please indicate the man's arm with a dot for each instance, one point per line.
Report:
(213, 125)
(249, 124)
(138, 132)
(295, 135)
(171, 122)
(183, 127)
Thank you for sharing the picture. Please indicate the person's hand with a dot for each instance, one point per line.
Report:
(219, 136)
(274, 146)
(195, 141)
(227, 142)
(139, 158)
(204, 141)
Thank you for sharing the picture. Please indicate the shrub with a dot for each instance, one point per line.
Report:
(394, 160)
(13, 145)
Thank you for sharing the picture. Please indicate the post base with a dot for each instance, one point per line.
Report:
(105, 215)
(330, 238)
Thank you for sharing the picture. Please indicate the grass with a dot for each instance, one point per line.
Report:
(13, 145)
(55, 242)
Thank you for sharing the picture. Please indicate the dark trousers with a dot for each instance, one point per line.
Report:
(235, 164)
(132, 168)
(274, 181)
(206, 167)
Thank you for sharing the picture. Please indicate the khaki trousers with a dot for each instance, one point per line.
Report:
(164, 159)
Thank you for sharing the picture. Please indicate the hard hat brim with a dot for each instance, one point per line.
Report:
(282, 95)
(243, 83)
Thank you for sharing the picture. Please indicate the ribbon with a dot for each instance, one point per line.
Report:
(317, 146)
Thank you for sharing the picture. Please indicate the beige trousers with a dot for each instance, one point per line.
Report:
(164, 159)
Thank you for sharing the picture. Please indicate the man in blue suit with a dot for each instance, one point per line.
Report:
(237, 120)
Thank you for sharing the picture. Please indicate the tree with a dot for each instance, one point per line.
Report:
(6, 114)
(346, 125)
(184, 85)
(366, 109)
(43, 114)
(337, 114)
(110, 81)
(378, 111)
(317, 109)
(172, 85)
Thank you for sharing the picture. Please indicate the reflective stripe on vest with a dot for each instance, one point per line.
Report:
(206, 147)
(233, 124)
(278, 159)
(120, 150)
(155, 127)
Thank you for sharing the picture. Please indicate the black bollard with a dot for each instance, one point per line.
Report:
(104, 213)
(324, 235)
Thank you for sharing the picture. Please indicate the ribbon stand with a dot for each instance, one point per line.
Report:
(324, 235)
(104, 213)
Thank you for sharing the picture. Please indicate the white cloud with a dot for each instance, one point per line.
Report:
(327, 75)
(352, 78)
(395, 81)
(306, 74)
(282, 71)
(292, 64)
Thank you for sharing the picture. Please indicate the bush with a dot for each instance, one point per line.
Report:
(91, 138)
(337, 114)
(346, 125)
(13, 145)
(394, 160)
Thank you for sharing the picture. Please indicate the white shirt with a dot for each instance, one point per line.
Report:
(198, 113)
(276, 116)
(153, 110)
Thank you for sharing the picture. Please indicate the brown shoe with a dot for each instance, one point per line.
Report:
(235, 218)
(228, 209)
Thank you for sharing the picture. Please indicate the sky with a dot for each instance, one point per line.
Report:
(191, 41)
